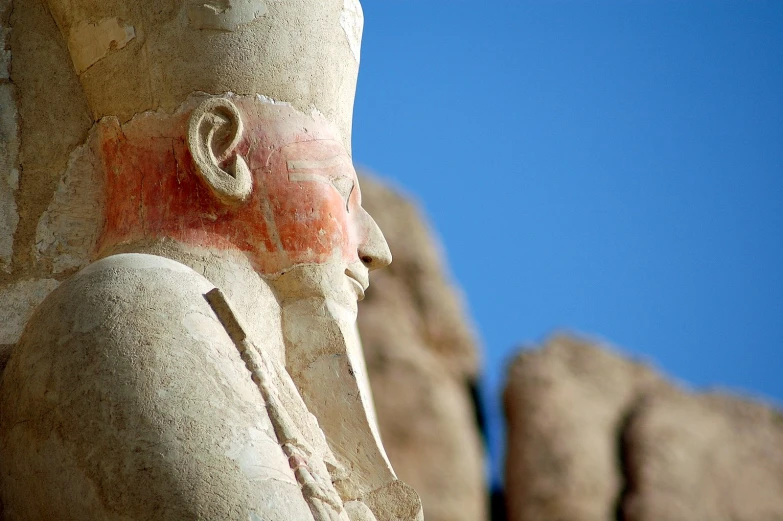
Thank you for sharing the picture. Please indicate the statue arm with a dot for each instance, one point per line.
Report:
(126, 395)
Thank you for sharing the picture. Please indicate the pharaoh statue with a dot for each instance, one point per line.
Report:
(206, 364)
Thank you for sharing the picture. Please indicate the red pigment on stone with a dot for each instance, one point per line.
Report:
(154, 191)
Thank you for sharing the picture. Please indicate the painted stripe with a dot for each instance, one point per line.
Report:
(316, 165)
(298, 176)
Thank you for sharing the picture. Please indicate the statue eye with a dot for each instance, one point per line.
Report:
(344, 185)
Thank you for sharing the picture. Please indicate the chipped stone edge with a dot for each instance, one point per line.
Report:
(90, 42)
(209, 16)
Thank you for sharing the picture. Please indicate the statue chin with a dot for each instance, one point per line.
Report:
(342, 284)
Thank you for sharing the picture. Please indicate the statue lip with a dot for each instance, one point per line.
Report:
(360, 281)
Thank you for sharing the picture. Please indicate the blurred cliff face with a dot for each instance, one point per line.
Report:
(422, 360)
(593, 436)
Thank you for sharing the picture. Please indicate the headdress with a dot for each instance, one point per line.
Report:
(139, 55)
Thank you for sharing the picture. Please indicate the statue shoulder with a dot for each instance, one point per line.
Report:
(131, 289)
(135, 268)
(127, 366)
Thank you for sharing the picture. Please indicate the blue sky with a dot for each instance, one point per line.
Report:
(609, 167)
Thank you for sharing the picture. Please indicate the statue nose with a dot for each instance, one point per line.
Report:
(374, 250)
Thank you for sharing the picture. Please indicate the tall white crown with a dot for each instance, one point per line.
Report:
(139, 55)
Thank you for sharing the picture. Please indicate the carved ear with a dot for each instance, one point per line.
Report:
(214, 131)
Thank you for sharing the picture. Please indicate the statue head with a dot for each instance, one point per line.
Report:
(226, 124)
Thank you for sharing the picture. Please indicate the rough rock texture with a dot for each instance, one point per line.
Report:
(54, 121)
(18, 302)
(704, 457)
(9, 173)
(9, 144)
(594, 436)
(5, 32)
(114, 53)
(422, 358)
(68, 231)
(39, 93)
(565, 405)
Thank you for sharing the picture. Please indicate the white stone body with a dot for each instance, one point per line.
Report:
(126, 376)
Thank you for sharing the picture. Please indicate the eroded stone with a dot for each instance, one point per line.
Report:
(596, 436)
(352, 22)
(90, 42)
(5, 52)
(566, 405)
(9, 173)
(68, 232)
(55, 118)
(19, 301)
(703, 456)
(224, 15)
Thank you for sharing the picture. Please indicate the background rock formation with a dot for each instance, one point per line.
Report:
(422, 359)
(709, 456)
(593, 436)
(565, 405)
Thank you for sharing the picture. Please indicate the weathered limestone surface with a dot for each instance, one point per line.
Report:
(51, 183)
(68, 231)
(54, 120)
(565, 406)
(177, 193)
(9, 144)
(107, 43)
(5, 32)
(422, 356)
(594, 436)
(703, 457)
(9, 173)
(18, 302)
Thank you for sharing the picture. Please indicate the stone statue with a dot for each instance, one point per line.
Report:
(207, 365)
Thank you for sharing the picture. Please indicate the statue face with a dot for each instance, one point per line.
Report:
(301, 223)
(310, 193)
(314, 196)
